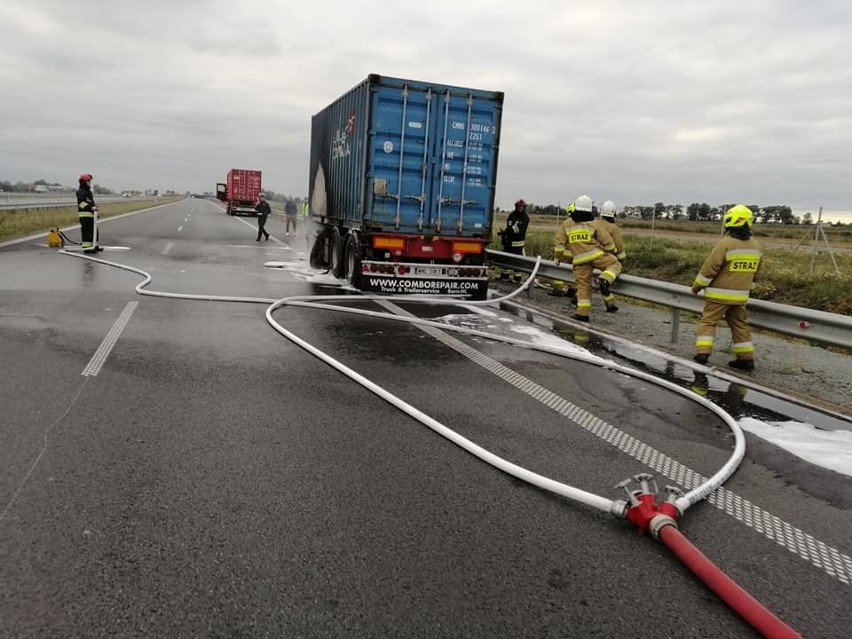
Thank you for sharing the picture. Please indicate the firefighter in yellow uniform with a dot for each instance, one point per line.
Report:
(726, 277)
(589, 247)
(558, 287)
(607, 222)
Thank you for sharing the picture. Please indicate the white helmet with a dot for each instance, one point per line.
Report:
(608, 209)
(583, 203)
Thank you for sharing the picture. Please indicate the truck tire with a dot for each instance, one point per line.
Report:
(319, 251)
(352, 261)
(335, 255)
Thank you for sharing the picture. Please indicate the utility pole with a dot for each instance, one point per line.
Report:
(818, 231)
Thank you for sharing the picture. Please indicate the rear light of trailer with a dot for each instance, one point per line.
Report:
(389, 243)
(467, 247)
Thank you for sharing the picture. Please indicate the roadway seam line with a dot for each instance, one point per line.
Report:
(819, 554)
(43, 450)
(98, 359)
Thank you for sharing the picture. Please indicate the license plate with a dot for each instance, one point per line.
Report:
(429, 271)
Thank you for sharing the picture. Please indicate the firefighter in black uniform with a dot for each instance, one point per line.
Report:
(86, 212)
(514, 235)
(263, 210)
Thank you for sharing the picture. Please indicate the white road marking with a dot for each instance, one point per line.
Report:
(98, 359)
(168, 248)
(180, 228)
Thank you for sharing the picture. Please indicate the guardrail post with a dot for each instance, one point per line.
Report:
(675, 325)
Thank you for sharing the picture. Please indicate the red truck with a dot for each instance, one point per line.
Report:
(240, 191)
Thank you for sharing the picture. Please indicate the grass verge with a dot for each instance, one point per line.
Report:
(23, 221)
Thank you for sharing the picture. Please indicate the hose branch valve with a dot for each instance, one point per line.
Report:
(645, 508)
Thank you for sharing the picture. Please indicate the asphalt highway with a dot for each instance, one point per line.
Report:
(174, 467)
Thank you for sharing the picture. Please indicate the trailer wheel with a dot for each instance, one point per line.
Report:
(335, 255)
(352, 261)
(319, 251)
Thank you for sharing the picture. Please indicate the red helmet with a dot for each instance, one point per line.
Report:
(85, 177)
(520, 203)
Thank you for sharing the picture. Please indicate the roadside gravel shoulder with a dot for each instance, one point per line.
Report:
(810, 373)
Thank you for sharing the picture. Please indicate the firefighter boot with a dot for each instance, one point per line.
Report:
(742, 364)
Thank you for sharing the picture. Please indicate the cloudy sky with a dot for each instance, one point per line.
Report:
(634, 101)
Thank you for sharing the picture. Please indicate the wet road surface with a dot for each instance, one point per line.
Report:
(177, 467)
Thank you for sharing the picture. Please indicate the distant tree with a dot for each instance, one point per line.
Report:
(704, 212)
(693, 212)
(808, 219)
(785, 215)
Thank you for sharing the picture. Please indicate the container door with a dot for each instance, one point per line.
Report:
(433, 152)
(464, 163)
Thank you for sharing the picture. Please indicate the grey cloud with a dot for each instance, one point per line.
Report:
(639, 102)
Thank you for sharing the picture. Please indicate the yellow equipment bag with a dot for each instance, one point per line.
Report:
(54, 239)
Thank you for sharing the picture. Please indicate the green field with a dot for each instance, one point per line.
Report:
(802, 277)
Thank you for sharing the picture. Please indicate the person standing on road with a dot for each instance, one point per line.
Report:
(607, 221)
(291, 213)
(514, 235)
(726, 277)
(588, 246)
(263, 210)
(86, 212)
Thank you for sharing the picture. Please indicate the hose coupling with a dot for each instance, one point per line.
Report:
(645, 508)
(658, 523)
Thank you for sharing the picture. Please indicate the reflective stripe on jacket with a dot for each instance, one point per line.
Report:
(613, 229)
(585, 241)
(731, 269)
(85, 202)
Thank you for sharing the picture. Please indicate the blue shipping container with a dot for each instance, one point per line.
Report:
(404, 156)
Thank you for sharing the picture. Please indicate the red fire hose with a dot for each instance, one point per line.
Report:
(725, 588)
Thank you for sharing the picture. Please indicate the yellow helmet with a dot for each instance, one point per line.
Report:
(570, 208)
(737, 216)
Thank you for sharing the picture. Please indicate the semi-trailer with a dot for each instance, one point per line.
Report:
(401, 185)
(240, 191)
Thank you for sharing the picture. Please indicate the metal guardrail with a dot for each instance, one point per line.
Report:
(795, 321)
(59, 201)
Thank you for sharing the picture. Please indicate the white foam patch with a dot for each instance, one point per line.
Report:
(830, 449)
(543, 338)
(474, 321)
(302, 271)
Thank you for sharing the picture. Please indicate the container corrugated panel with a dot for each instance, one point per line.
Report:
(406, 156)
(244, 184)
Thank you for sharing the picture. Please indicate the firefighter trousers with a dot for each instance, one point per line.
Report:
(610, 269)
(87, 231)
(736, 318)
